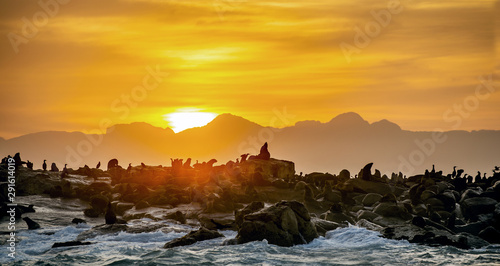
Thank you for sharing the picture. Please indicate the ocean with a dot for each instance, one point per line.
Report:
(344, 246)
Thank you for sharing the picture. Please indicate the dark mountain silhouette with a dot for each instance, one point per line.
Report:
(347, 141)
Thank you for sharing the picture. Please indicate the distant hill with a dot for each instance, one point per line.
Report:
(345, 142)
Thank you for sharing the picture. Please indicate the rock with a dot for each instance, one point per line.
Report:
(122, 207)
(490, 234)
(448, 200)
(177, 216)
(280, 183)
(418, 221)
(371, 198)
(388, 209)
(70, 244)
(99, 203)
(142, 205)
(430, 235)
(472, 207)
(250, 208)
(471, 228)
(369, 225)
(323, 226)
(104, 229)
(192, 237)
(435, 204)
(337, 217)
(216, 221)
(471, 193)
(92, 213)
(333, 196)
(32, 225)
(78, 221)
(286, 223)
(367, 215)
(427, 194)
(374, 187)
(390, 197)
(271, 168)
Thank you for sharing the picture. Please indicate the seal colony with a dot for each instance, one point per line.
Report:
(263, 198)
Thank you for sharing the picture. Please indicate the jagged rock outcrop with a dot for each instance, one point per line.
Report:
(286, 223)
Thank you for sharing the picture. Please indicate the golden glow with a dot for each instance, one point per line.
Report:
(188, 118)
(247, 58)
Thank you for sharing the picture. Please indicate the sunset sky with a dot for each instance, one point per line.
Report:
(249, 58)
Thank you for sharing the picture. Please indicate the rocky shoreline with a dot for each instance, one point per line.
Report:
(262, 198)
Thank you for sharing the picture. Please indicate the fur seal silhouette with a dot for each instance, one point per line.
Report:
(44, 165)
(29, 165)
(110, 216)
(264, 153)
(366, 172)
(112, 163)
(244, 157)
(98, 165)
(53, 168)
(31, 224)
(187, 164)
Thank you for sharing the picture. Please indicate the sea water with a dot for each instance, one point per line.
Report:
(344, 246)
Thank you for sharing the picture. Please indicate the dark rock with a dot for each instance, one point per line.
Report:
(323, 226)
(418, 221)
(390, 197)
(92, 213)
(250, 208)
(371, 198)
(142, 205)
(286, 223)
(373, 187)
(122, 207)
(472, 207)
(103, 229)
(388, 209)
(193, 237)
(490, 234)
(369, 225)
(70, 244)
(367, 215)
(177, 216)
(337, 217)
(31, 224)
(78, 221)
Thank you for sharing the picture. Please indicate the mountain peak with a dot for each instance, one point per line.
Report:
(228, 119)
(386, 125)
(349, 119)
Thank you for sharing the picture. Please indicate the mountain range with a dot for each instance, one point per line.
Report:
(345, 142)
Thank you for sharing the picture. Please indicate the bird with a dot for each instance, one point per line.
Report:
(98, 165)
(64, 171)
(454, 172)
(44, 165)
(497, 168)
(460, 172)
(129, 167)
(433, 170)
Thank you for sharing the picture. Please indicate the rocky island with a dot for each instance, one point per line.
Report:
(263, 198)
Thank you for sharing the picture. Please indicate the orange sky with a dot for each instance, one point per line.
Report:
(247, 58)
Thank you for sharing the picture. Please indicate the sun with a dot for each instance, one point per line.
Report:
(188, 118)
